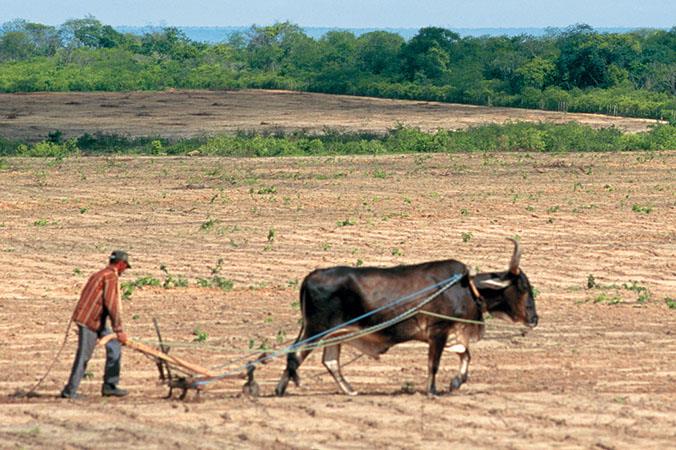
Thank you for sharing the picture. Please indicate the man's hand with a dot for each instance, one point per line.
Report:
(122, 337)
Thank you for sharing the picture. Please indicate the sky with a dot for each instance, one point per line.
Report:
(351, 13)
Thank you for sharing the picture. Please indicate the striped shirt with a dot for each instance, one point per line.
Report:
(100, 298)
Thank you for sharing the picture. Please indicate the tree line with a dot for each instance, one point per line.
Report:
(575, 69)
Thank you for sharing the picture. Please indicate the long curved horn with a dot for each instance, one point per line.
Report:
(516, 257)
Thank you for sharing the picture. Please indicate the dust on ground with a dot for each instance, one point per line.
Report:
(598, 371)
(176, 114)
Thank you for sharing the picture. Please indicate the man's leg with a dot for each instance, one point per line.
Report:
(111, 376)
(85, 347)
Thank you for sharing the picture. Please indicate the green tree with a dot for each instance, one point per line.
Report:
(268, 46)
(337, 70)
(20, 39)
(536, 73)
(89, 32)
(428, 53)
(378, 53)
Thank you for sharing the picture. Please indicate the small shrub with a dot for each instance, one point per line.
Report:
(642, 292)
(209, 224)
(127, 288)
(608, 299)
(379, 173)
(171, 281)
(216, 281)
(267, 190)
(641, 209)
(346, 223)
(200, 335)
(466, 236)
(281, 337)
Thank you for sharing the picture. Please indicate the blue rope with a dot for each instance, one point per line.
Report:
(451, 280)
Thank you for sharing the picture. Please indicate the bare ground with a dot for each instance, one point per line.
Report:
(598, 372)
(189, 113)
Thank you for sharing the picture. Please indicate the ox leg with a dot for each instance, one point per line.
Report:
(436, 348)
(331, 361)
(293, 362)
(461, 377)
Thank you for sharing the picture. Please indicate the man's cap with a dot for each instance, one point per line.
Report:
(119, 255)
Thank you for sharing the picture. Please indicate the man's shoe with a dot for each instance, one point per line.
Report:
(109, 390)
(70, 395)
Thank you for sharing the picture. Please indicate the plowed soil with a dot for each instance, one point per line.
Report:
(598, 233)
(176, 114)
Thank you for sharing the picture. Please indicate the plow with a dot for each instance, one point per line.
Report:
(177, 373)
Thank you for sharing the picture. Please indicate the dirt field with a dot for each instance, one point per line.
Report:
(598, 372)
(189, 113)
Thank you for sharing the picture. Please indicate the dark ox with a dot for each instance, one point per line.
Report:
(330, 297)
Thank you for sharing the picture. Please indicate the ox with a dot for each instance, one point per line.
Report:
(333, 296)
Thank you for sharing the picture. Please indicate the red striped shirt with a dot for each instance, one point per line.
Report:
(100, 294)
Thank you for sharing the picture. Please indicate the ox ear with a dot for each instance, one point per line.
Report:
(493, 283)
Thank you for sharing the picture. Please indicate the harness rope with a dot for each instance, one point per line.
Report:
(31, 391)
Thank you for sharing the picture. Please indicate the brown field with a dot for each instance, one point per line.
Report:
(598, 372)
(188, 113)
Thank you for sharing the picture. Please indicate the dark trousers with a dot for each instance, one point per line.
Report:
(85, 347)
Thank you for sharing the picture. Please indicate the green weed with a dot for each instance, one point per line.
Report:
(641, 209)
(346, 223)
(200, 335)
(267, 190)
(209, 224)
(171, 281)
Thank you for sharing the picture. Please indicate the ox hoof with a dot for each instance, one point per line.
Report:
(456, 383)
(432, 393)
(352, 393)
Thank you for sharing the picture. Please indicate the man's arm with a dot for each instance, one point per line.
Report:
(112, 302)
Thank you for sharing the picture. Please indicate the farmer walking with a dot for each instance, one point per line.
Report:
(100, 299)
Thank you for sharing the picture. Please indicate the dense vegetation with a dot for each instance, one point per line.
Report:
(576, 69)
(509, 137)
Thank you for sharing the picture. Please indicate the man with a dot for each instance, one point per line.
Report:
(100, 299)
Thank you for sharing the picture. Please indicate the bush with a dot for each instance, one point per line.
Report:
(49, 149)
(516, 136)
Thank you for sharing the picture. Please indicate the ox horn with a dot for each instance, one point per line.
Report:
(516, 257)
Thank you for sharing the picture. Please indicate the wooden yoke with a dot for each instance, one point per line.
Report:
(151, 351)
